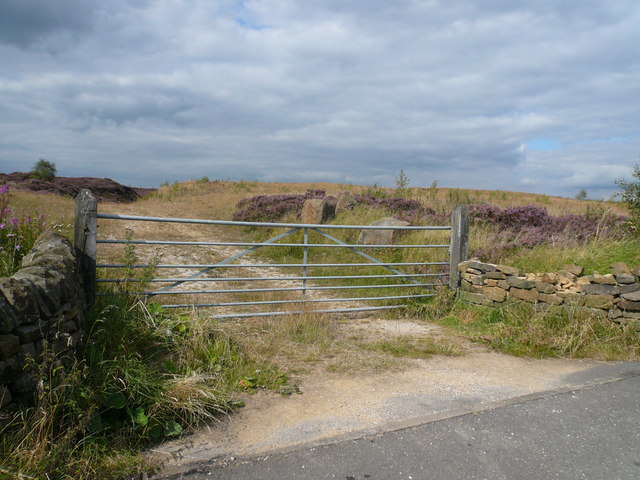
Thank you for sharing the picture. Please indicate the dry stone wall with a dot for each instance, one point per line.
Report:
(41, 311)
(617, 293)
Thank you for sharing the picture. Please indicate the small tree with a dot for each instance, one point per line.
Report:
(402, 185)
(44, 170)
(402, 181)
(581, 195)
(631, 195)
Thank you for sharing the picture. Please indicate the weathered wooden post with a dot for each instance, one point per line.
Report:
(459, 248)
(84, 241)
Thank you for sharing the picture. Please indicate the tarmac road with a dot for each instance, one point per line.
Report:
(591, 432)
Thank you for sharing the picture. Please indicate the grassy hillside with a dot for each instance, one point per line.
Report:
(218, 198)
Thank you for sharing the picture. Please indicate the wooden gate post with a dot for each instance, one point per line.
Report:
(459, 248)
(84, 241)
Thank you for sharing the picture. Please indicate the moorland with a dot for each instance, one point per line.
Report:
(169, 371)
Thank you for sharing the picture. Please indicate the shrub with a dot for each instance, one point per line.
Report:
(531, 226)
(631, 196)
(273, 208)
(402, 183)
(17, 235)
(44, 170)
(581, 195)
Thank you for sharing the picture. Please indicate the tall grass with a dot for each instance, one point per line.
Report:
(144, 374)
(596, 255)
(540, 331)
(18, 233)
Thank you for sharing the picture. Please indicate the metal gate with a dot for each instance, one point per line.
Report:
(346, 286)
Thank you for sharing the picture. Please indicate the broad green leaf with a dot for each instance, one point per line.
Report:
(173, 429)
(139, 417)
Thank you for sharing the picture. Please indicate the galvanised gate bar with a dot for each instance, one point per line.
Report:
(419, 285)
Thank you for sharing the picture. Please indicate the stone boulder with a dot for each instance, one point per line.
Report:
(317, 211)
(382, 237)
(346, 201)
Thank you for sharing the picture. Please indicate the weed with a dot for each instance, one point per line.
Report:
(596, 255)
(17, 234)
(244, 186)
(402, 186)
(458, 197)
(630, 196)
(288, 339)
(433, 193)
(376, 191)
(541, 331)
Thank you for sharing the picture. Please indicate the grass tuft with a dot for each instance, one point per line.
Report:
(539, 331)
(145, 375)
(403, 346)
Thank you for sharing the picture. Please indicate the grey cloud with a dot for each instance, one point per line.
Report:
(119, 107)
(26, 23)
(291, 90)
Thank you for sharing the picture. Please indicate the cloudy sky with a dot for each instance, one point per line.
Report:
(528, 95)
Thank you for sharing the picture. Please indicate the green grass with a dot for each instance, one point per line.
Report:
(144, 375)
(539, 331)
(409, 347)
(594, 256)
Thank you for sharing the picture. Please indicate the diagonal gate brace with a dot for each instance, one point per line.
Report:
(368, 257)
(223, 262)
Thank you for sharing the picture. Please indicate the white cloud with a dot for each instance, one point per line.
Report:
(326, 90)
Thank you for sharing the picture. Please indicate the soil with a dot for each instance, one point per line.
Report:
(104, 189)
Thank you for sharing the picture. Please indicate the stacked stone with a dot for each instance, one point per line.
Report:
(41, 308)
(618, 293)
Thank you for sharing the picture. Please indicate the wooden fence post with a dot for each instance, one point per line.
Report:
(459, 248)
(84, 241)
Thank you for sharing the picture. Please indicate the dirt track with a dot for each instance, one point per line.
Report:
(339, 406)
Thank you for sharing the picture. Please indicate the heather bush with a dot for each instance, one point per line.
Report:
(273, 208)
(530, 226)
(405, 208)
(17, 234)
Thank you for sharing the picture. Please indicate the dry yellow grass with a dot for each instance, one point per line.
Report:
(218, 199)
(59, 210)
